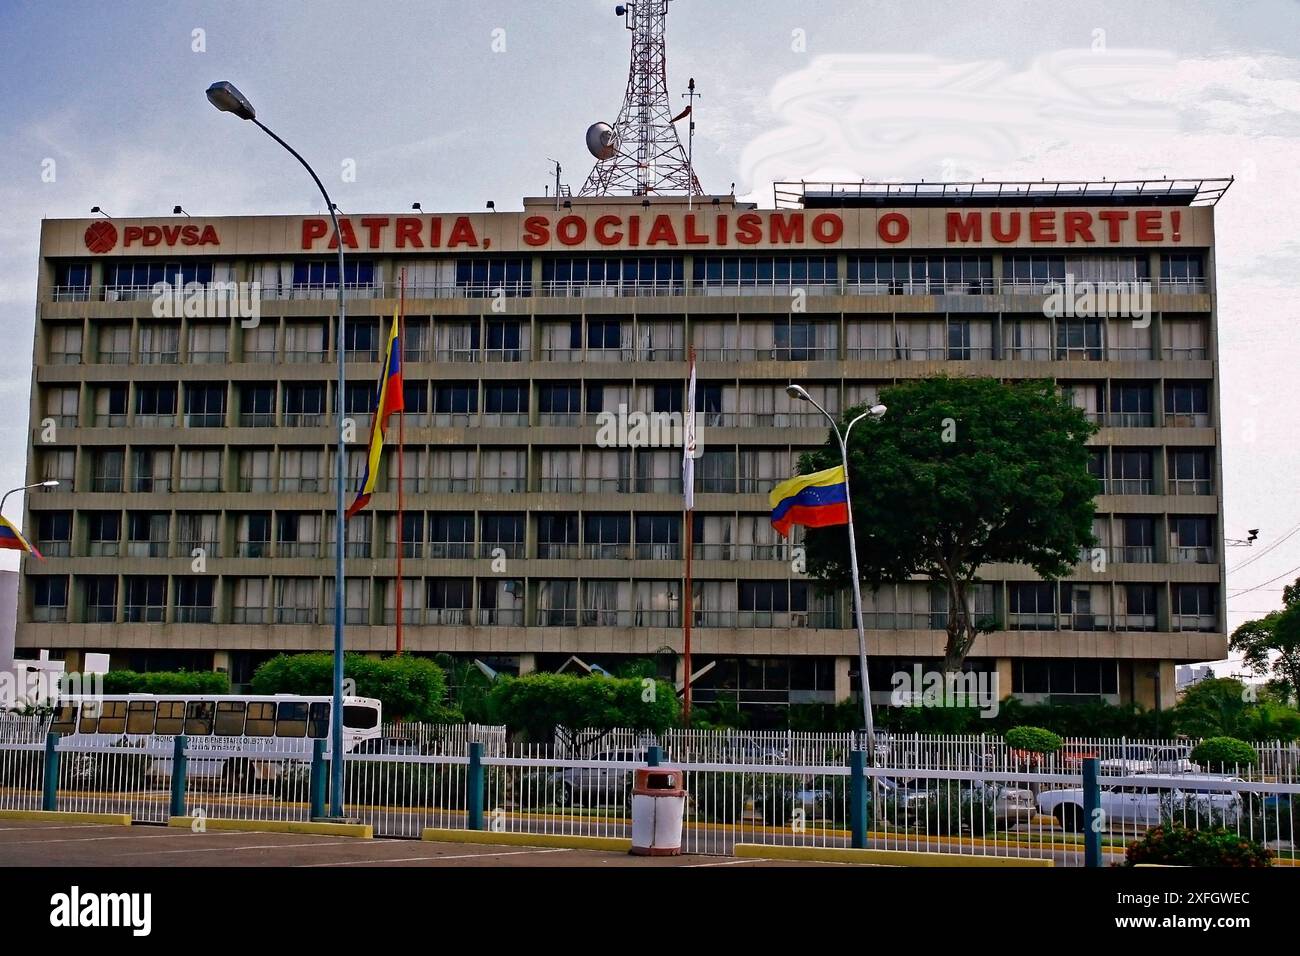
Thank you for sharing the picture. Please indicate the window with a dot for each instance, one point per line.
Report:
(146, 599)
(291, 718)
(230, 718)
(253, 535)
(1031, 605)
(606, 535)
(115, 344)
(504, 532)
(49, 598)
(106, 468)
(557, 536)
(1132, 406)
(62, 403)
(170, 717)
(140, 716)
(137, 279)
(297, 535)
(255, 469)
(155, 404)
(324, 274)
(199, 715)
(208, 344)
(1195, 607)
(200, 470)
(151, 469)
(1132, 472)
(54, 533)
(1189, 472)
(455, 404)
(304, 405)
(505, 404)
(295, 601)
(103, 532)
(1137, 539)
(197, 532)
(658, 537)
(1136, 607)
(110, 405)
(770, 272)
(1187, 404)
(557, 603)
(252, 599)
(1183, 272)
(205, 406)
(260, 719)
(304, 342)
(921, 275)
(259, 344)
(64, 344)
(1191, 540)
(481, 277)
(448, 600)
(300, 470)
(159, 344)
(505, 341)
(596, 275)
(147, 534)
(72, 282)
(415, 402)
(451, 535)
(559, 404)
(256, 406)
(1055, 676)
(1078, 339)
(361, 341)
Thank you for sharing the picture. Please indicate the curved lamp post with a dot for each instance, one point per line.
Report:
(48, 483)
(227, 98)
(875, 413)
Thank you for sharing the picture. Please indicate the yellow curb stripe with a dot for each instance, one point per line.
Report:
(879, 857)
(68, 816)
(496, 838)
(361, 831)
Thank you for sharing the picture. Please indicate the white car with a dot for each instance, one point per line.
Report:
(1144, 758)
(1139, 800)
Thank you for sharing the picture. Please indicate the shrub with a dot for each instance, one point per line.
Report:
(1224, 753)
(1180, 846)
(535, 703)
(166, 682)
(950, 808)
(411, 688)
(1034, 740)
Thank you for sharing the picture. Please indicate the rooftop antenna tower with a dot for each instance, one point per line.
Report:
(641, 155)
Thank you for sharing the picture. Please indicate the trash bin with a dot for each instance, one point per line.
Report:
(658, 805)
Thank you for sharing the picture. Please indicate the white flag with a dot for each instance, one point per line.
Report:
(688, 443)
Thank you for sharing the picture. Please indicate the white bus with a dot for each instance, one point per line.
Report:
(228, 723)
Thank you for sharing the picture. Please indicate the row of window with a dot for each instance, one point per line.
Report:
(480, 276)
(718, 470)
(600, 602)
(595, 338)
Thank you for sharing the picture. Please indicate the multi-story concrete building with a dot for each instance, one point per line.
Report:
(193, 521)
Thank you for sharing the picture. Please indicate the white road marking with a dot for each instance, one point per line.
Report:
(415, 859)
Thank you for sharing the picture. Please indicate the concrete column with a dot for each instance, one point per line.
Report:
(1003, 671)
(842, 689)
(527, 663)
(221, 661)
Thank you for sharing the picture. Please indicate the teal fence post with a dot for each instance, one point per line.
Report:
(1092, 815)
(654, 756)
(180, 771)
(317, 780)
(474, 788)
(858, 798)
(50, 780)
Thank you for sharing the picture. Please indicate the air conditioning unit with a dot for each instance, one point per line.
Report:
(799, 619)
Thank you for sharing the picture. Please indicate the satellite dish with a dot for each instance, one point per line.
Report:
(600, 140)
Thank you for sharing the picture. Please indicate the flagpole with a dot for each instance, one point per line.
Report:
(688, 597)
(401, 455)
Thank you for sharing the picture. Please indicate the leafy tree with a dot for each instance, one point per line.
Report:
(467, 689)
(960, 473)
(411, 688)
(1034, 740)
(535, 704)
(166, 682)
(1270, 646)
(1224, 754)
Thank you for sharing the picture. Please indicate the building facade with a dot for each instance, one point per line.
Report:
(193, 435)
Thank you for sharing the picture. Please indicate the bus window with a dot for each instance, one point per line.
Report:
(359, 717)
(318, 722)
(112, 717)
(89, 717)
(261, 719)
(139, 716)
(230, 718)
(198, 718)
(292, 719)
(171, 717)
(65, 720)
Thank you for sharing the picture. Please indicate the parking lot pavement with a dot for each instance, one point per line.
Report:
(32, 843)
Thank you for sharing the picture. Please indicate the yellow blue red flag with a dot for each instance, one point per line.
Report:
(12, 539)
(814, 501)
(388, 399)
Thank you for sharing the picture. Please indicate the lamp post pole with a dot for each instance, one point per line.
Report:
(48, 483)
(868, 723)
(225, 97)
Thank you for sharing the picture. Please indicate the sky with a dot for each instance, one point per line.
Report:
(452, 104)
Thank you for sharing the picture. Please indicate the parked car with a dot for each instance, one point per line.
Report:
(599, 782)
(1144, 758)
(1140, 801)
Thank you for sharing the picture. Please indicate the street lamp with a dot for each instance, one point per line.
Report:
(227, 98)
(48, 483)
(875, 413)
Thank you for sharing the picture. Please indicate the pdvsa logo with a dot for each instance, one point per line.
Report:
(101, 236)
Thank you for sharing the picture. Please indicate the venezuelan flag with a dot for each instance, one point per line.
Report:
(388, 399)
(12, 539)
(814, 501)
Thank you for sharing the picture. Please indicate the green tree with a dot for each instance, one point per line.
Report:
(166, 682)
(411, 688)
(960, 473)
(535, 704)
(1270, 646)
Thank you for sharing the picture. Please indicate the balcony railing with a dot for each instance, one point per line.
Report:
(508, 549)
(1194, 554)
(1194, 622)
(1191, 486)
(557, 551)
(147, 549)
(500, 616)
(451, 550)
(296, 615)
(194, 615)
